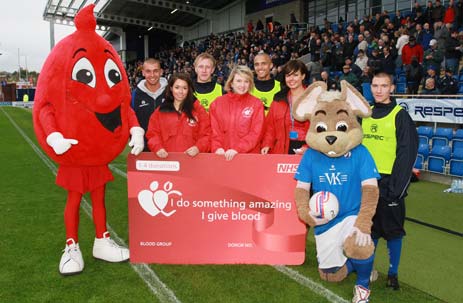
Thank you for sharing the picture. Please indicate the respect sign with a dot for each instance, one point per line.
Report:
(205, 210)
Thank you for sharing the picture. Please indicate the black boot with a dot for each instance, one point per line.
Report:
(393, 282)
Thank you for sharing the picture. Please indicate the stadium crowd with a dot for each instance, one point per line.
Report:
(414, 46)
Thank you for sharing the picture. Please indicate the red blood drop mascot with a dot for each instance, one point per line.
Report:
(82, 119)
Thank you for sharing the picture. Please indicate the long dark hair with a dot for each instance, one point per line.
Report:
(187, 105)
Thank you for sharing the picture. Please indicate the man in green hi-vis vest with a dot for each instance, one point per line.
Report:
(206, 90)
(391, 138)
(265, 87)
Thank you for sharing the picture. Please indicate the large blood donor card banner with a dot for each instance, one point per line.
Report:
(205, 210)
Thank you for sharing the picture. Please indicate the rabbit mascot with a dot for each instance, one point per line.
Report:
(338, 163)
(82, 120)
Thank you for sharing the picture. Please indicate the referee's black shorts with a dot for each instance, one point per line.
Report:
(388, 222)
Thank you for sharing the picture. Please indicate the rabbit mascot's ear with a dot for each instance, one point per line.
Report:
(305, 104)
(355, 99)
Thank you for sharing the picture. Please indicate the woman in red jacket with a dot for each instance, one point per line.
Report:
(283, 134)
(180, 124)
(237, 117)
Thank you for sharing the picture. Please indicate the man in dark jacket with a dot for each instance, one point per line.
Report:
(391, 138)
(448, 84)
(375, 61)
(452, 52)
(428, 13)
(330, 83)
(414, 74)
(388, 61)
(353, 67)
(349, 76)
(430, 87)
(149, 93)
(349, 46)
(438, 12)
(459, 14)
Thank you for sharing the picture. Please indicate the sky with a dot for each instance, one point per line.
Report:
(22, 26)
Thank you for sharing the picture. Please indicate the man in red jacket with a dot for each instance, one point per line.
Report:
(410, 50)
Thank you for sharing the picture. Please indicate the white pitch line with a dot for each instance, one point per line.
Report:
(311, 284)
(157, 287)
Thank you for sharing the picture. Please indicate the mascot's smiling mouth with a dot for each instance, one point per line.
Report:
(111, 120)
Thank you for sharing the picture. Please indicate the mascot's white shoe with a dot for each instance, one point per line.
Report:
(71, 261)
(106, 249)
(361, 294)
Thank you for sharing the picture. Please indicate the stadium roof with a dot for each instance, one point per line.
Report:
(171, 16)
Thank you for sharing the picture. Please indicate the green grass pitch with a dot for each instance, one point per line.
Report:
(32, 239)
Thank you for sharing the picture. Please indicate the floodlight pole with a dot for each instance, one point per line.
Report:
(52, 33)
(27, 72)
(19, 67)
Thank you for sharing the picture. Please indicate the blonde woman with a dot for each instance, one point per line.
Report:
(237, 118)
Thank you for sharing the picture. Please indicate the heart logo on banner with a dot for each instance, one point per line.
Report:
(145, 198)
(154, 201)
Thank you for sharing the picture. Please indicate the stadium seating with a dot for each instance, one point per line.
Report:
(401, 79)
(442, 136)
(457, 140)
(438, 158)
(399, 70)
(401, 88)
(424, 133)
(423, 153)
(456, 163)
(366, 89)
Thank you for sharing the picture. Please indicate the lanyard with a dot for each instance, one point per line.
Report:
(290, 101)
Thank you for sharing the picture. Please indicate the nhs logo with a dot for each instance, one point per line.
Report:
(287, 168)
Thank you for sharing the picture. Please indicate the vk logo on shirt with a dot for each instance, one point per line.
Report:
(333, 178)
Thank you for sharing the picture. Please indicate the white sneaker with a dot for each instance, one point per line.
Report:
(106, 249)
(361, 294)
(71, 262)
(374, 275)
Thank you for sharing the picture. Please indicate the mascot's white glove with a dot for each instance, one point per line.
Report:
(60, 144)
(137, 142)
(230, 154)
(361, 239)
(318, 221)
(220, 151)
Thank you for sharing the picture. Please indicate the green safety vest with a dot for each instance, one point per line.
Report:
(380, 140)
(266, 97)
(208, 98)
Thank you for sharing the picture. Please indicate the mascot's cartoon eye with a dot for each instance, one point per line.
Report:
(112, 73)
(84, 72)
(341, 126)
(321, 127)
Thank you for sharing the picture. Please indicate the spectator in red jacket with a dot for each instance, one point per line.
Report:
(237, 118)
(410, 50)
(283, 134)
(449, 15)
(180, 124)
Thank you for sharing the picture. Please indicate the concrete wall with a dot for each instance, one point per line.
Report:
(229, 18)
